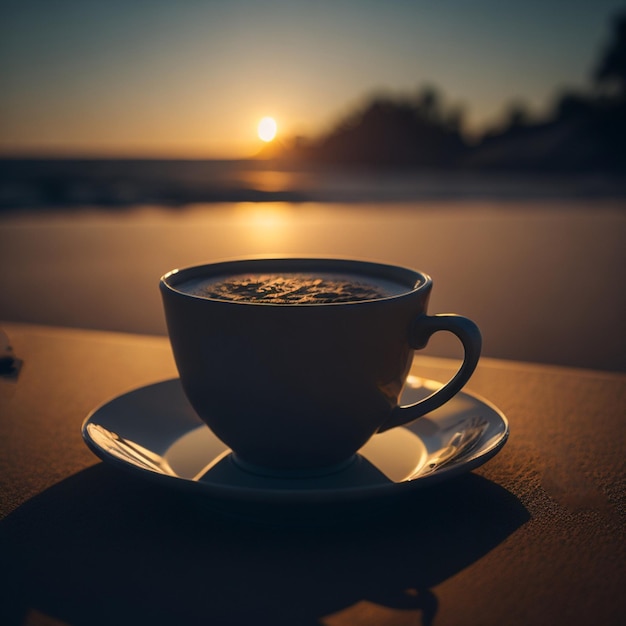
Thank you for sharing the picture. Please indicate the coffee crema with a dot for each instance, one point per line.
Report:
(292, 288)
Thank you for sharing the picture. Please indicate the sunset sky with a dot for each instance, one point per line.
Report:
(193, 78)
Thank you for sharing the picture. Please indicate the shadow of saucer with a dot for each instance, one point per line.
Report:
(104, 548)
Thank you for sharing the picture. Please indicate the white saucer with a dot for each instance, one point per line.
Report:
(153, 432)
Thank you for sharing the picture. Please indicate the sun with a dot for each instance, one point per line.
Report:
(267, 129)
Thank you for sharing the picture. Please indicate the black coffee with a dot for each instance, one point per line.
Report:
(292, 288)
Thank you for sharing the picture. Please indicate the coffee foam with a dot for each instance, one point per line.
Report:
(292, 288)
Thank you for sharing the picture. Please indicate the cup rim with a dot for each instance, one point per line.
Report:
(414, 280)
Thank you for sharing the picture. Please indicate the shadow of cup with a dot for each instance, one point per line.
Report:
(95, 549)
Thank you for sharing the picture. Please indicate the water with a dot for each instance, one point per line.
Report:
(120, 183)
(542, 278)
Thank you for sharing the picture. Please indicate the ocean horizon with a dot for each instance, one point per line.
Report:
(49, 183)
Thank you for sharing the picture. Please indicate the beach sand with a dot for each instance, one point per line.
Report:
(543, 279)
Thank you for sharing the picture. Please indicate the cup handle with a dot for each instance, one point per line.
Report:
(422, 328)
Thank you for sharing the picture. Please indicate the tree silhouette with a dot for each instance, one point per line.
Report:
(611, 70)
(396, 131)
(584, 132)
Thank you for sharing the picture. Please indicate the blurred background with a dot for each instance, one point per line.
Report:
(483, 143)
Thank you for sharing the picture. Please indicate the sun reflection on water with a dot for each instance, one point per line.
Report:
(267, 224)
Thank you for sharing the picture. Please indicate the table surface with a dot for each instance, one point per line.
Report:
(535, 536)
